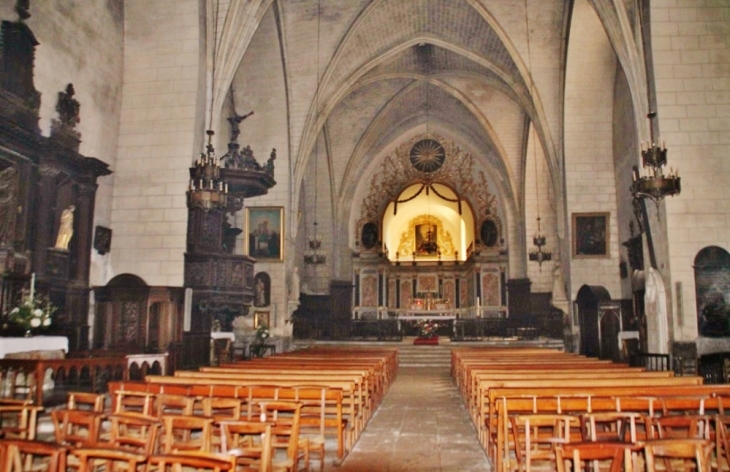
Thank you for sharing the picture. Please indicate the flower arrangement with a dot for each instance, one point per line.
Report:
(262, 334)
(33, 312)
(426, 328)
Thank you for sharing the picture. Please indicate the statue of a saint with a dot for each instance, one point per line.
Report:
(294, 289)
(65, 229)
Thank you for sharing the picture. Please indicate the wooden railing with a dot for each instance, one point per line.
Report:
(44, 381)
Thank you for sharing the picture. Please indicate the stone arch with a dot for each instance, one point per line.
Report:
(712, 287)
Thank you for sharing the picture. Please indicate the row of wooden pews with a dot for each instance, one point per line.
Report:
(339, 388)
(504, 387)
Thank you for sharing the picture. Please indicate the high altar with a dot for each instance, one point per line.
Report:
(434, 247)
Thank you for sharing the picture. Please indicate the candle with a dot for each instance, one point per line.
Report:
(32, 285)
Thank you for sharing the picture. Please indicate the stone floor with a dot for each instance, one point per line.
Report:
(420, 425)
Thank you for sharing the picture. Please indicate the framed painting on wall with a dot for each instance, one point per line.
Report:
(590, 235)
(261, 318)
(265, 233)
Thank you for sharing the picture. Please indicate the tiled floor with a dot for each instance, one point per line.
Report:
(421, 425)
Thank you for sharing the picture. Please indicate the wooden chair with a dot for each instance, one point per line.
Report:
(535, 438)
(610, 426)
(250, 442)
(76, 428)
(167, 404)
(110, 460)
(694, 454)
(186, 433)
(681, 426)
(20, 455)
(284, 418)
(18, 421)
(221, 409)
(133, 402)
(199, 461)
(610, 456)
(722, 442)
(85, 401)
(134, 433)
(313, 422)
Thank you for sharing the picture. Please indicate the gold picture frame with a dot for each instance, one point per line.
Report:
(265, 233)
(261, 318)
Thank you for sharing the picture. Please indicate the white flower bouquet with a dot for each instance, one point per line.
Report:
(33, 312)
(262, 334)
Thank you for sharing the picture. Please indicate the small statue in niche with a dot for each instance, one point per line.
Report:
(65, 229)
(8, 205)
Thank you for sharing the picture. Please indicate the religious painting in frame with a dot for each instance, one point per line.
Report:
(590, 235)
(426, 242)
(265, 233)
(261, 318)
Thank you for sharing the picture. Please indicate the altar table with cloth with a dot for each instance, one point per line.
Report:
(33, 343)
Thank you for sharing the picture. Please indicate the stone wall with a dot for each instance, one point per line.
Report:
(691, 49)
(160, 135)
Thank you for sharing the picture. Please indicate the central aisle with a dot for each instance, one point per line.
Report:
(421, 425)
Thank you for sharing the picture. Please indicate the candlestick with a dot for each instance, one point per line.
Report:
(32, 285)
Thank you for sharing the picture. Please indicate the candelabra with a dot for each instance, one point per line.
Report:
(314, 255)
(539, 240)
(650, 182)
(206, 190)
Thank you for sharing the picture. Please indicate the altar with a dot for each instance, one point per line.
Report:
(32, 344)
(437, 316)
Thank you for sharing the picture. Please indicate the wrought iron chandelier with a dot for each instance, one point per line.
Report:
(651, 181)
(539, 240)
(314, 255)
(537, 254)
(207, 190)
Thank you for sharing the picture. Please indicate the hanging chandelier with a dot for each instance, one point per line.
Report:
(651, 181)
(207, 190)
(314, 255)
(537, 254)
(539, 240)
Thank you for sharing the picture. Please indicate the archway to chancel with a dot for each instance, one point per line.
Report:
(420, 248)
